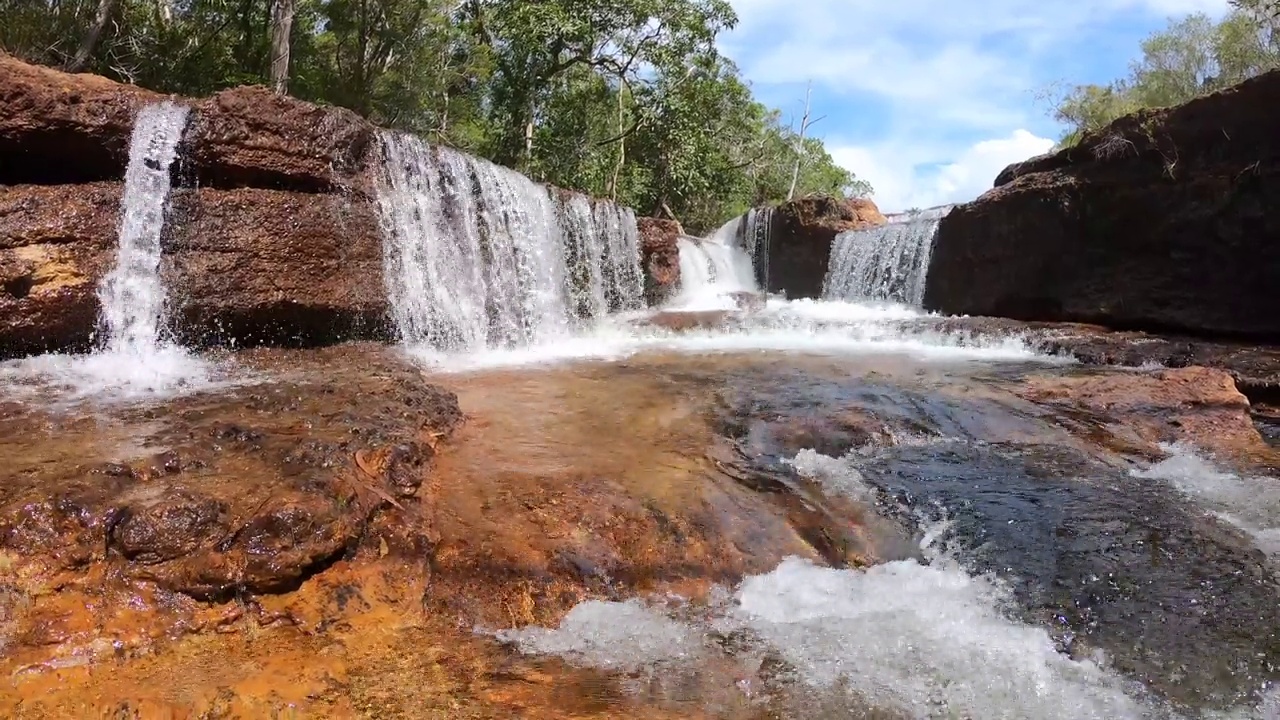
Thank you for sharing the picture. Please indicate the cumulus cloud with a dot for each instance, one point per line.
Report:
(906, 175)
(929, 99)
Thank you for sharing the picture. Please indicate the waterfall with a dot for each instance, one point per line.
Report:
(888, 262)
(478, 256)
(759, 233)
(714, 268)
(132, 295)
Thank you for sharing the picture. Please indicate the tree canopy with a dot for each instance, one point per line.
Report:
(1192, 56)
(628, 99)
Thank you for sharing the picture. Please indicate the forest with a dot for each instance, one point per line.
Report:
(1193, 56)
(625, 99)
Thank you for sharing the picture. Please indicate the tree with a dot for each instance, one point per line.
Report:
(1192, 56)
(281, 26)
(628, 99)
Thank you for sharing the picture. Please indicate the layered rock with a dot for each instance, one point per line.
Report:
(800, 238)
(1162, 221)
(272, 233)
(660, 258)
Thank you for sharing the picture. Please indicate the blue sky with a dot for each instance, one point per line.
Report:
(929, 99)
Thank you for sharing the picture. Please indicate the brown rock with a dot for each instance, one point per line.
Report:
(273, 267)
(252, 137)
(660, 258)
(1162, 221)
(800, 240)
(56, 127)
(249, 265)
(1196, 405)
(55, 243)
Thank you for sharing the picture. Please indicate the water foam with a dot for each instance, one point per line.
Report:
(844, 329)
(924, 640)
(1249, 503)
(136, 360)
(714, 269)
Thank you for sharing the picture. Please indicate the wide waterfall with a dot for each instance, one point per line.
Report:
(715, 268)
(889, 262)
(478, 256)
(132, 294)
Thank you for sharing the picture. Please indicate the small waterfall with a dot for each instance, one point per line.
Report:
(132, 295)
(478, 256)
(889, 262)
(714, 268)
(759, 234)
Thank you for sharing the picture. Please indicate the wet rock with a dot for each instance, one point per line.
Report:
(55, 243)
(231, 507)
(659, 258)
(61, 128)
(255, 267)
(172, 525)
(252, 137)
(1255, 368)
(1196, 405)
(800, 240)
(1161, 221)
(246, 267)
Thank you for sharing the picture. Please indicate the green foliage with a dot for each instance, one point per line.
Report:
(619, 98)
(1191, 57)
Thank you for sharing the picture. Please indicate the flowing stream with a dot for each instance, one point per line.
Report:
(1013, 568)
(132, 294)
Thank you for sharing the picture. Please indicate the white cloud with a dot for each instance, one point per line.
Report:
(907, 175)
(928, 99)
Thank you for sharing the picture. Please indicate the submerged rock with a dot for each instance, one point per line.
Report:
(1162, 221)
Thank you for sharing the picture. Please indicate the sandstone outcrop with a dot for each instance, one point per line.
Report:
(342, 525)
(1162, 221)
(272, 233)
(659, 258)
(800, 236)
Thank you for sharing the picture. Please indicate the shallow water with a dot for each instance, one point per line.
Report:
(1019, 568)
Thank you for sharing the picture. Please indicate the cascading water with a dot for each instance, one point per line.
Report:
(134, 359)
(759, 233)
(132, 294)
(479, 257)
(889, 262)
(713, 269)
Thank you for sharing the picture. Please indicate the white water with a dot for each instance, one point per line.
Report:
(806, 326)
(132, 295)
(135, 361)
(927, 641)
(890, 262)
(1249, 503)
(478, 257)
(714, 268)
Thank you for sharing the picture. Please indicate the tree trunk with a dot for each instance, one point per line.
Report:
(106, 8)
(281, 27)
(804, 127)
